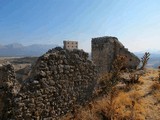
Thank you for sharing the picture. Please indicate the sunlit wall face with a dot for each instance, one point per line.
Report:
(135, 23)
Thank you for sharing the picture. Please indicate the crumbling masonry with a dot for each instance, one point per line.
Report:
(106, 49)
(60, 80)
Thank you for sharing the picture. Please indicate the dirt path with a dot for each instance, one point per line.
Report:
(152, 107)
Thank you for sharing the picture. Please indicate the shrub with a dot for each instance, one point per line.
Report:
(118, 65)
(104, 83)
(108, 80)
(134, 78)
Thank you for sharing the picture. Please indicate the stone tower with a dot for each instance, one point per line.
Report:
(70, 45)
(104, 51)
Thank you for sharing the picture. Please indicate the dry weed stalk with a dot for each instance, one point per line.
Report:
(104, 83)
(144, 60)
(110, 111)
(134, 78)
(117, 65)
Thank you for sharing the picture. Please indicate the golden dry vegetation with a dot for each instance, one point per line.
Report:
(140, 102)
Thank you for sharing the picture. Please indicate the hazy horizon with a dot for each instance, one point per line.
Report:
(135, 23)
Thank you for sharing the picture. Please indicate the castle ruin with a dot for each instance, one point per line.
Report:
(59, 80)
(105, 50)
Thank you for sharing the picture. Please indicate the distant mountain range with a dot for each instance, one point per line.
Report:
(19, 50)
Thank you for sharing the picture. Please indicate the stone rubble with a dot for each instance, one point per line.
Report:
(60, 80)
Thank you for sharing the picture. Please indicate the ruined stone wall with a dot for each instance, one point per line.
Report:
(105, 50)
(9, 88)
(132, 61)
(60, 79)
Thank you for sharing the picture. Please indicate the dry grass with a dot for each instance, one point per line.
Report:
(155, 87)
(105, 83)
(155, 90)
(139, 103)
(116, 106)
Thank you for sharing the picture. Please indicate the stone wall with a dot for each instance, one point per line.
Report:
(60, 80)
(105, 50)
(9, 88)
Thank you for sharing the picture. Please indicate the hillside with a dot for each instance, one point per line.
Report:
(140, 102)
(144, 95)
(134, 101)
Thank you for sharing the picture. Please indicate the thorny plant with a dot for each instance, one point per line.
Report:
(144, 60)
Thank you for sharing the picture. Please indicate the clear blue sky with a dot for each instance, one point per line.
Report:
(136, 23)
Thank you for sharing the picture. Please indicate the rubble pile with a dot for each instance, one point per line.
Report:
(60, 80)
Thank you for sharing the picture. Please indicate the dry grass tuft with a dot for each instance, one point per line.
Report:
(155, 90)
(155, 86)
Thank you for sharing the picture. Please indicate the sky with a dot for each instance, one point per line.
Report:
(136, 23)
